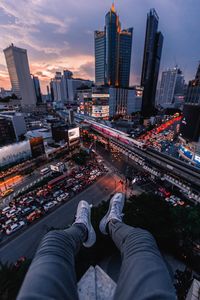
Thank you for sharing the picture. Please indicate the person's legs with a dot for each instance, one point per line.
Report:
(52, 273)
(143, 273)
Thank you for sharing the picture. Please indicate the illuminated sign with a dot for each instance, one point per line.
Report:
(100, 95)
(15, 152)
(100, 111)
(73, 133)
(37, 146)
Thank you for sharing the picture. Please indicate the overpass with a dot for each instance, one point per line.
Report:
(179, 173)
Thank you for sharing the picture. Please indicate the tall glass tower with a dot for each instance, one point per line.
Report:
(19, 72)
(151, 63)
(113, 52)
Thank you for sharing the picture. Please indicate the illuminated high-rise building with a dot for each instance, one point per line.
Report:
(151, 63)
(113, 52)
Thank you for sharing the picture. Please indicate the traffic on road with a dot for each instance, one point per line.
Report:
(33, 205)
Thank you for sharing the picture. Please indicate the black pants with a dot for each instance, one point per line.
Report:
(143, 272)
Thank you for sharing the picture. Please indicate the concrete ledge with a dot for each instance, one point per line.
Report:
(96, 285)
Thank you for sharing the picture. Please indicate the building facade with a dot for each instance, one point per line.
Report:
(113, 48)
(15, 153)
(57, 86)
(94, 103)
(171, 86)
(7, 132)
(191, 123)
(19, 72)
(124, 101)
(36, 84)
(12, 128)
(5, 93)
(100, 54)
(73, 87)
(151, 63)
(64, 88)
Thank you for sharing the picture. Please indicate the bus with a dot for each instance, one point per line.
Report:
(44, 171)
(57, 180)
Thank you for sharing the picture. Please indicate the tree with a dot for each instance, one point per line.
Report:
(11, 279)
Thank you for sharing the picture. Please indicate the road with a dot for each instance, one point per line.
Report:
(26, 242)
(26, 181)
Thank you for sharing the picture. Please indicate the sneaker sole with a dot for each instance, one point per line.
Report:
(91, 233)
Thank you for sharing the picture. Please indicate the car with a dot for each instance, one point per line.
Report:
(9, 222)
(14, 227)
(36, 214)
(62, 197)
(75, 188)
(39, 193)
(55, 202)
(5, 210)
(57, 193)
(27, 210)
(11, 213)
(94, 172)
(79, 176)
(48, 206)
(181, 203)
(93, 177)
(27, 201)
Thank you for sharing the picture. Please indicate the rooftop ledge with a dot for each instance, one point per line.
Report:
(96, 285)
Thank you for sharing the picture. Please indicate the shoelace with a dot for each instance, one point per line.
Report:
(83, 214)
(116, 209)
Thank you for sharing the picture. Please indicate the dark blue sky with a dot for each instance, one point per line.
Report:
(59, 34)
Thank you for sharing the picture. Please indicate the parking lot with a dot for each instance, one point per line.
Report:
(26, 209)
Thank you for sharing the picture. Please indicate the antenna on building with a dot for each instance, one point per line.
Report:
(113, 7)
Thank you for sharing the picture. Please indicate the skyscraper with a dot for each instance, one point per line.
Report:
(113, 52)
(151, 63)
(37, 88)
(191, 123)
(19, 72)
(172, 86)
(58, 87)
(100, 54)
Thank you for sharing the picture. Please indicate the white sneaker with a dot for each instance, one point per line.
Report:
(114, 212)
(83, 216)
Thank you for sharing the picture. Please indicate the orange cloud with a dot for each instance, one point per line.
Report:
(80, 65)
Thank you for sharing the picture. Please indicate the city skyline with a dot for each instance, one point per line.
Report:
(57, 38)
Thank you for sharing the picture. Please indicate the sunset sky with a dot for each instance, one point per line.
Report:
(58, 34)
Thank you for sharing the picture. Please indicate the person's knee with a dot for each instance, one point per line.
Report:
(141, 238)
(56, 239)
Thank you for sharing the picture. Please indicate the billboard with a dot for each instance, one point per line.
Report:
(15, 153)
(100, 111)
(37, 146)
(73, 134)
